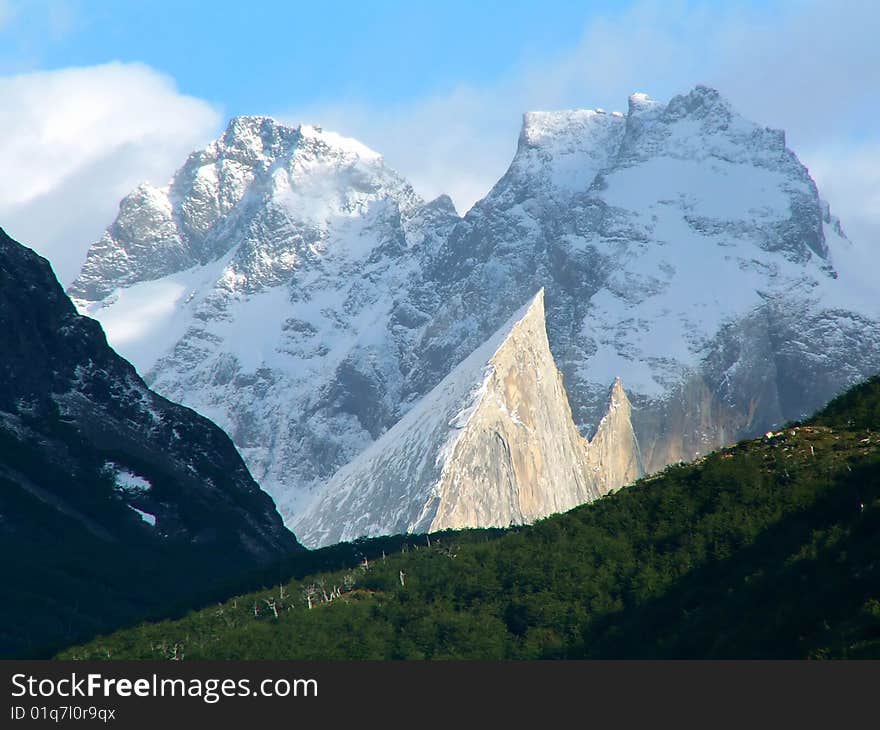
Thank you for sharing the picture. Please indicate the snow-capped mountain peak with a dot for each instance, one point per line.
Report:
(250, 140)
(260, 180)
(255, 140)
(269, 263)
(565, 149)
(558, 130)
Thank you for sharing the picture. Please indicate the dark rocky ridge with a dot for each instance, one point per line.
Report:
(69, 408)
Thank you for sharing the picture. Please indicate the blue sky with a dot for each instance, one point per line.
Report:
(257, 57)
(99, 95)
(251, 57)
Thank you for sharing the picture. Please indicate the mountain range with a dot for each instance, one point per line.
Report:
(356, 342)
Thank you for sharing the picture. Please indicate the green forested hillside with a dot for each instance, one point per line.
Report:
(766, 549)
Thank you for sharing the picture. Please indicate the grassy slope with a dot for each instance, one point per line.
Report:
(767, 549)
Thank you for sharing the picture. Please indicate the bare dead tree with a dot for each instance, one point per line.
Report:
(309, 595)
(402, 579)
(323, 588)
(270, 602)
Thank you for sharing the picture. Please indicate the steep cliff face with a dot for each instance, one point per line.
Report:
(520, 456)
(493, 444)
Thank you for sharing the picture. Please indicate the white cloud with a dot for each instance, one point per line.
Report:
(457, 143)
(75, 141)
(849, 175)
(811, 68)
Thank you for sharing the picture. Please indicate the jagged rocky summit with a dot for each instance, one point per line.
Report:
(293, 288)
(492, 444)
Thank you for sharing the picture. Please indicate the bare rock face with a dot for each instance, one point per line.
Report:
(614, 457)
(519, 456)
(493, 444)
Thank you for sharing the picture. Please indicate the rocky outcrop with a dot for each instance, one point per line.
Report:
(614, 457)
(493, 444)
